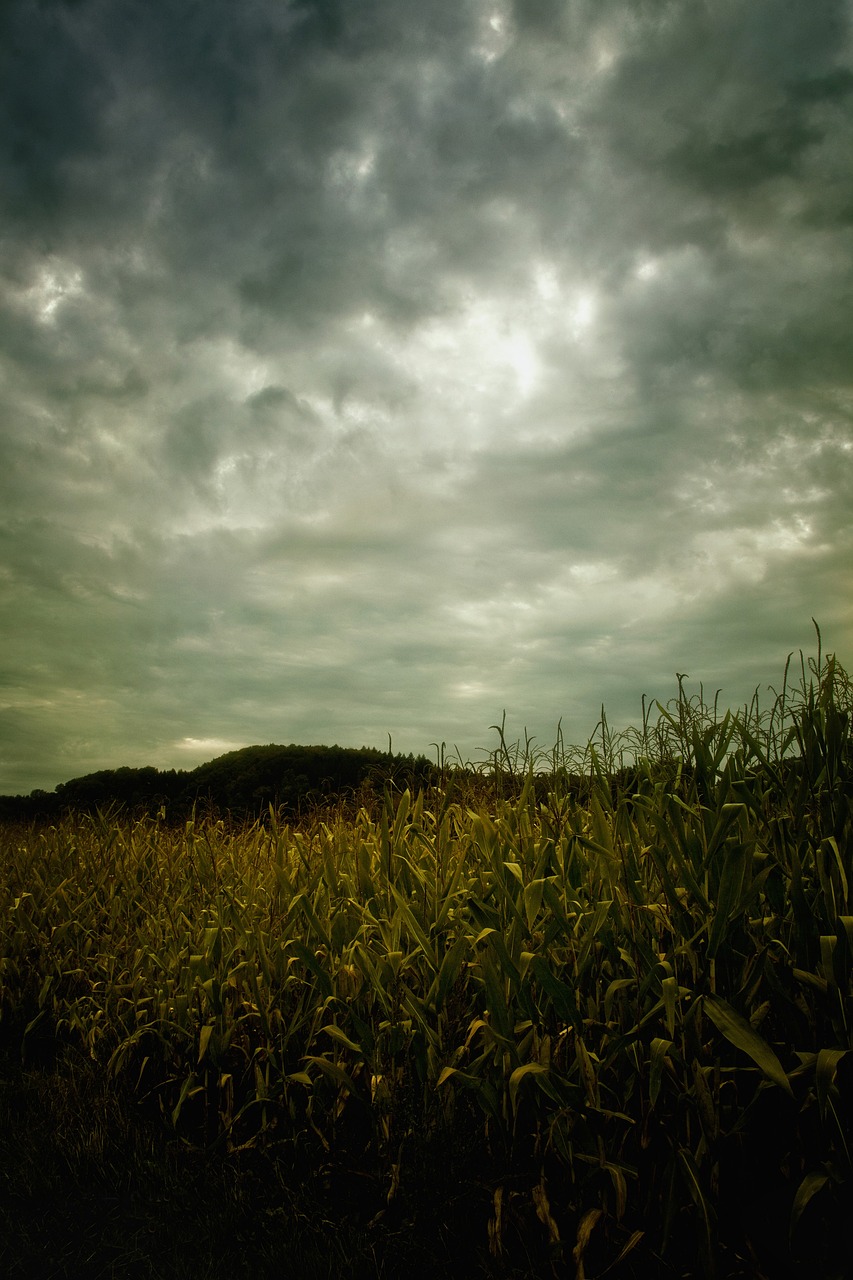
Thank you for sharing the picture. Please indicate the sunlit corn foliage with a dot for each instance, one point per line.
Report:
(616, 1009)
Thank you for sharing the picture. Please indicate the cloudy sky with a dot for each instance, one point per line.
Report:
(373, 367)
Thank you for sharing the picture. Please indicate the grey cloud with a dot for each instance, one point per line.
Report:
(52, 95)
(369, 369)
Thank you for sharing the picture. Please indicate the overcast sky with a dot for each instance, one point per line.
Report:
(372, 367)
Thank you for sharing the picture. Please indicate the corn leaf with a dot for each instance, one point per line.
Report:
(744, 1037)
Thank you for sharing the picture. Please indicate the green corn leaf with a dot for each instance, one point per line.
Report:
(450, 894)
(705, 1102)
(562, 996)
(496, 942)
(669, 991)
(587, 1072)
(693, 1180)
(659, 1052)
(557, 908)
(729, 896)
(685, 875)
(342, 1038)
(189, 1089)
(744, 1037)
(810, 979)
(449, 971)
(519, 1074)
(825, 1069)
(828, 943)
(309, 959)
(204, 1040)
(300, 1077)
(329, 869)
(401, 817)
(311, 916)
(585, 1229)
(533, 901)
(415, 928)
(631, 1243)
(496, 996)
(333, 1072)
(846, 923)
(726, 818)
(811, 1184)
(613, 989)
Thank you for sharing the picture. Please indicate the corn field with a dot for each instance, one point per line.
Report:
(601, 1010)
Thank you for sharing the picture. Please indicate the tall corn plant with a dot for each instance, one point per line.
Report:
(624, 974)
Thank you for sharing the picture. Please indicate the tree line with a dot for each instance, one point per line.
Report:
(245, 783)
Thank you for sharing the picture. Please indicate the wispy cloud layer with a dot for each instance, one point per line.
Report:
(369, 369)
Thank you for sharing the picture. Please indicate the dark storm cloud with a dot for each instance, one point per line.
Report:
(370, 368)
(52, 96)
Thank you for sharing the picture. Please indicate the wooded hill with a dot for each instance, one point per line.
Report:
(243, 783)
